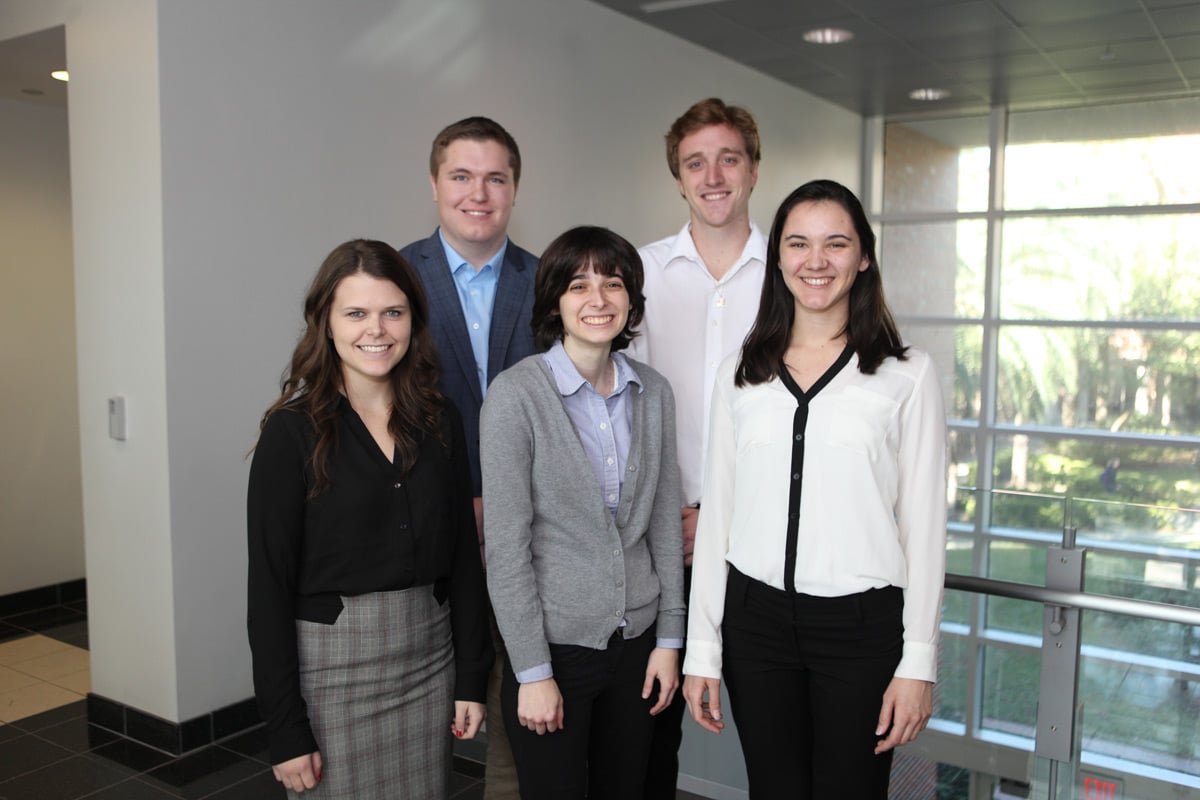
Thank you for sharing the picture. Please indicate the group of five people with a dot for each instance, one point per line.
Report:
(587, 425)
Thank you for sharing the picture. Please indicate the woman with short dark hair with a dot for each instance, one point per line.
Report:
(584, 548)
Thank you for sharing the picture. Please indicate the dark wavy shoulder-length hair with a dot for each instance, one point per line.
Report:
(312, 384)
(870, 328)
(578, 249)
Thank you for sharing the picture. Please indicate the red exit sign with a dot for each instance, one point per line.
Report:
(1100, 787)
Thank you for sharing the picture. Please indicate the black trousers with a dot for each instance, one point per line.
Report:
(603, 747)
(806, 677)
(662, 772)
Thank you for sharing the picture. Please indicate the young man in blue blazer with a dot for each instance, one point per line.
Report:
(480, 291)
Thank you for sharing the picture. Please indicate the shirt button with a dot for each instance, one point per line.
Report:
(616, 552)
(612, 498)
(611, 461)
(397, 484)
(799, 437)
(475, 326)
(633, 467)
(795, 476)
(603, 426)
(620, 584)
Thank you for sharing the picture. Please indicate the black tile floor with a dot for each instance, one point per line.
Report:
(58, 755)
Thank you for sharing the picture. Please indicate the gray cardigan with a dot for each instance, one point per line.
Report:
(560, 569)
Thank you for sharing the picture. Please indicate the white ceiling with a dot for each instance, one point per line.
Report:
(25, 66)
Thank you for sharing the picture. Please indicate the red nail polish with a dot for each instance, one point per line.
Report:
(458, 733)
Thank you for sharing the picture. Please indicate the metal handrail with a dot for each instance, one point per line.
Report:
(1146, 609)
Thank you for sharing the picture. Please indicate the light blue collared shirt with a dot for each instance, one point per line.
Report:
(477, 296)
(605, 426)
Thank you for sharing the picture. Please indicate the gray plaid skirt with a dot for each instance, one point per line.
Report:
(379, 686)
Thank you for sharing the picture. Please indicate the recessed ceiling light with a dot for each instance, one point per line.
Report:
(60, 75)
(928, 95)
(828, 35)
(670, 5)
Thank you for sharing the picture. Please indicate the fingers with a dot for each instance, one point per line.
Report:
(300, 773)
(906, 709)
(540, 706)
(703, 697)
(662, 666)
(468, 717)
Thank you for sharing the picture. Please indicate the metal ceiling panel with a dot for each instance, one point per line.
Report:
(1022, 53)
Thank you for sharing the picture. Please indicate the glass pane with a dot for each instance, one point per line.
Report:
(963, 473)
(1018, 562)
(958, 353)
(1119, 155)
(1140, 712)
(934, 269)
(1126, 379)
(1019, 512)
(1146, 475)
(936, 165)
(1101, 268)
(1141, 552)
(950, 692)
(1010, 688)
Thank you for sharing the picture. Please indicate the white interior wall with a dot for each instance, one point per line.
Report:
(220, 149)
(41, 510)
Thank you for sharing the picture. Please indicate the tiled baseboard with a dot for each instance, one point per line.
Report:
(175, 738)
(58, 594)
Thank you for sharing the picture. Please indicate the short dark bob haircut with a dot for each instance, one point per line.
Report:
(580, 249)
(870, 329)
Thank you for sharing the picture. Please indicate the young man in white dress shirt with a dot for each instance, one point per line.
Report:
(702, 287)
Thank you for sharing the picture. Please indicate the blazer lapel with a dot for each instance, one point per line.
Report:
(445, 312)
(514, 287)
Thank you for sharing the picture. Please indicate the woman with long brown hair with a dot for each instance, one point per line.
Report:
(820, 550)
(366, 610)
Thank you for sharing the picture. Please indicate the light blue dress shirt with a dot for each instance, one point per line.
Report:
(605, 426)
(477, 296)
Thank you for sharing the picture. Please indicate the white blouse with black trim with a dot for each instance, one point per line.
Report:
(828, 492)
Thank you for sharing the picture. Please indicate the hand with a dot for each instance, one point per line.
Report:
(663, 666)
(468, 717)
(540, 706)
(478, 501)
(907, 707)
(688, 516)
(706, 712)
(300, 773)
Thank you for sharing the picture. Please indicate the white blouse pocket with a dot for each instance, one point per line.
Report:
(859, 420)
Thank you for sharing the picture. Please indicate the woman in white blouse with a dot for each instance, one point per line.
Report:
(820, 550)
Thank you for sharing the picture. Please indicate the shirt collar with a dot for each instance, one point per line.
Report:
(568, 380)
(684, 248)
(456, 260)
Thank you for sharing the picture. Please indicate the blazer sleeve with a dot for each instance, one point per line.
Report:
(506, 457)
(275, 506)
(473, 653)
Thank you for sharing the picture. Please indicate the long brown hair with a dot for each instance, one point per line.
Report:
(870, 328)
(312, 383)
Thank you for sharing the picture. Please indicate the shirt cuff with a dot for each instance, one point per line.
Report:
(669, 644)
(541, 672)
(918, 661)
